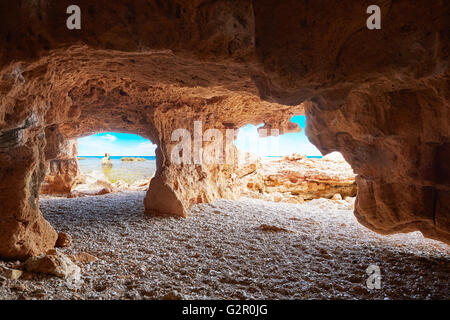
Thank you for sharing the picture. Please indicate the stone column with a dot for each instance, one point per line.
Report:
(200, 171)
(23, 230)
(62, 172)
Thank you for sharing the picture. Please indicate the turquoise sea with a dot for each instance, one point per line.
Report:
(129, 172)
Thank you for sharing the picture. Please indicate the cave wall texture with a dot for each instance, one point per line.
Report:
(380, 97)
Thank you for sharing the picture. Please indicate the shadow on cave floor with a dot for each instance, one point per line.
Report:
(225, 250)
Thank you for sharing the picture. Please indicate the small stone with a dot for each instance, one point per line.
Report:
(13, 274)
(27, 276)
(19, 287)
(39, 293)
(52, 252)
(84, 257)
(277, 197)
(64, 240)
(10, 273)
(174, 295)
(54, 263)
(269, 228)
(337, 196)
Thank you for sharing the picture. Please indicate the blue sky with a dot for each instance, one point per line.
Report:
(123, 144)
(116, 144)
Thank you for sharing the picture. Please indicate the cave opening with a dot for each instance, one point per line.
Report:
(132, 160)
(287, 167)
(101, 163)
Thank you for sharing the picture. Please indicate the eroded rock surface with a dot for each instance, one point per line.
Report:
(63, 172)
(380, 97)
(53, 263)
(297, 178)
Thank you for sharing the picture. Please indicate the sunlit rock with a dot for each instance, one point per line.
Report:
(296, 178)
(54, 263)
(106, 161)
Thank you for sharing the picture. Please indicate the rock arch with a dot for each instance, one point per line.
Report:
(151, 67)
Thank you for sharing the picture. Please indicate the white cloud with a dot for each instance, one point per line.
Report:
(144, 149)
(99, 145)
(109, 137)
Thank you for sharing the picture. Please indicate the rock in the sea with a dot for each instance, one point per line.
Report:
(64, 240)
(106, 162)
(54, 263)
(131, 159)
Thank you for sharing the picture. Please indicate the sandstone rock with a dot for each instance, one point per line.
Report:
(62, 167)
(64, 240)
(140, 185)
(54, 263)
(84, 257)
(27, 275)
(269, 228)
(12, 274)
(20, 287)
(296, 178)
(277, 197)
(334, 156)
(173, 295)
(228, 64)
(294, 157)
(350, 200)
(97, 187)
(337, 196)
(106, 162)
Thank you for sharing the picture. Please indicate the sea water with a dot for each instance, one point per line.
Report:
(128, 171)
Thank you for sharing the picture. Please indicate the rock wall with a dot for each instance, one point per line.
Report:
(23, 230)
(380, 97)
(62, 168)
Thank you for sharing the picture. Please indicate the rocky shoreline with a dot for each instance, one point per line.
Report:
(297, 178)
(292, 179)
